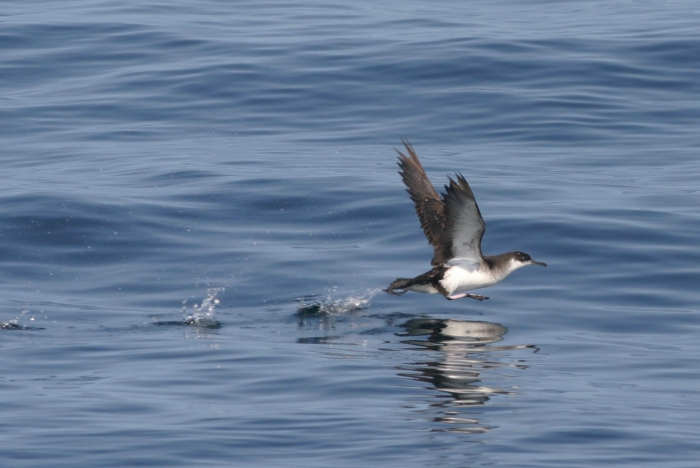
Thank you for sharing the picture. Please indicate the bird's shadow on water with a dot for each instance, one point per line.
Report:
(453, 356)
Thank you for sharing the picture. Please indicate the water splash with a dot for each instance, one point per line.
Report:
(204, 314)
(311, 305)
(14, 324)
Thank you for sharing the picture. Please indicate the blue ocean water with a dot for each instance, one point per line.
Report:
(201, 206)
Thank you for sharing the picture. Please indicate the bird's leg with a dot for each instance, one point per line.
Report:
(472, 296)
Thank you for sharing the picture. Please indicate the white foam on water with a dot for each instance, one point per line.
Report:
(204, 314)
(337, 306)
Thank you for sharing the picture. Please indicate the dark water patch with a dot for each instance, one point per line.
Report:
(17, 326)
(331, 339)
(214, 325)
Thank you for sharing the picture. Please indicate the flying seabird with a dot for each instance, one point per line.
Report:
(454, 227)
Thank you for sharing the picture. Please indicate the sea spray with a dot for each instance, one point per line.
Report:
(311, 305)
(204, 314)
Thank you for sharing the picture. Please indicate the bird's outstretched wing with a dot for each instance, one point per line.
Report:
(451, 222)
(429, 205)
(464, 224)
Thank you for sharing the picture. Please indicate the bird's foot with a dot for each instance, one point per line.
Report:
(472, 296)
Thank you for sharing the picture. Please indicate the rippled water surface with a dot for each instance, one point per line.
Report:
(201, 206)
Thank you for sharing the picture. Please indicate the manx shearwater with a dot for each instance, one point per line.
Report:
(454, 227)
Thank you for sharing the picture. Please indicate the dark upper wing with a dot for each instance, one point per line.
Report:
(429, 205)
(463, 222)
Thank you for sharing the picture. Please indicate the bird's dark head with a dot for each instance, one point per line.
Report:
(525, 259)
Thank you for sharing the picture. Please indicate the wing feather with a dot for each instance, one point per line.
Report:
(452, 222)
(430, 207)
(464, 222)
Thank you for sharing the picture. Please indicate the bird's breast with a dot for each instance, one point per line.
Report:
(458, 279)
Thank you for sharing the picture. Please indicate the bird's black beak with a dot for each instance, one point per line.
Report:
(538, 263)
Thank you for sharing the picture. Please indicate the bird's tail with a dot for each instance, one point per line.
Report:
(399, 284)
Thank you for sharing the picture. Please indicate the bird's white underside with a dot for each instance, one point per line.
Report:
(465, 277)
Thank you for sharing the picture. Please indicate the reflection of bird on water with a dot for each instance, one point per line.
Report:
(454, 227)
(464, 331)
(463, 344)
